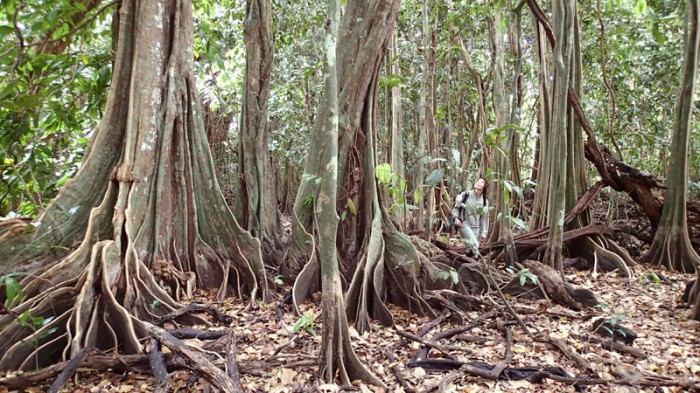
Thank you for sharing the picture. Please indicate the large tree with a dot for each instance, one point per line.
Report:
(144, 210)
(371, 250)
(671, 247)
(337, 356)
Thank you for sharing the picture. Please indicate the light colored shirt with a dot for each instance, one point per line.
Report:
(474, 212)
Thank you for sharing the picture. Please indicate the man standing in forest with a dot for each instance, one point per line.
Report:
(471, 216)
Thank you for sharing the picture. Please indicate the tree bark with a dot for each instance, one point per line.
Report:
(556, 152)
(258, 187)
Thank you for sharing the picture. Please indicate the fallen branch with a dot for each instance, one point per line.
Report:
(397, 372)
(571, 355)
(536, 375)
(195, 307)
(123, 363)
(610, 345)
(445, 349)
(69, 370)
(190, 332)
(195, 360)
(157, 362)
(231, 365)
(507, 358)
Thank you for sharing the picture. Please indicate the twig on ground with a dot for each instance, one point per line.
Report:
(397, 372)
(69, 370)
(157, 362)
(561, 345)
(231, 365)
(283, 346)
(189, 332)
(445, 349)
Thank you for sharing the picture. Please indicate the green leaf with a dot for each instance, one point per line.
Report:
(13, 291)
(22, 320)
(383, 173)
(6, 30)
(523, 278)
(520, 223)
(351, 207)
(455, 276)
(417, 196)
(435, 177)
(442, 275)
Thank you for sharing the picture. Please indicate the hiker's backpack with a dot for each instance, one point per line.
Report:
(465, 196)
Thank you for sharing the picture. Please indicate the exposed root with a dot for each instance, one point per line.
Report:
(672, 249)
(391, 272)
(338, 359)
(553, 284)
(607, 260)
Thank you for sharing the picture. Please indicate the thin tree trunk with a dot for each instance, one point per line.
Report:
(557, 154)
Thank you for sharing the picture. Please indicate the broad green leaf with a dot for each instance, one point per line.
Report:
(442, 275)
(520, 223)
(13, 291)
(435, 176)
(383, 173)
(6, 30)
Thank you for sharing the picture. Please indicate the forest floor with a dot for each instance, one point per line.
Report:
(273, 356)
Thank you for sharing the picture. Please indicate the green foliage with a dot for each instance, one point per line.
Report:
(524, 275)
(395, 186)
(14, 295)
(651, 278)
(52, 90)
(13, 291)
(305, 322)
(446, 275)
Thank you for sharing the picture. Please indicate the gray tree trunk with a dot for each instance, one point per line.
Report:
(556, 153)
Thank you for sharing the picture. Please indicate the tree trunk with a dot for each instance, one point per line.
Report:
(424, 123)
(397, 159)
(500, 197)
(145, 203)
(261, 216)
(556, 153)
(671, 247)
(362, 43)
(337, 355)
(541, 172)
